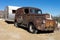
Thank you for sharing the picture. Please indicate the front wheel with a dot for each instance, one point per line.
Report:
(52, 31)
(32, 29)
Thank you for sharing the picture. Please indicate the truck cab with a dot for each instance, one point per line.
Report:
(33, 19)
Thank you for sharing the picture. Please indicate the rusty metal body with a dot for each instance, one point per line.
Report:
(39, 20)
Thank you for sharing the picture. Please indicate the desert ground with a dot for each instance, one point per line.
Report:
(10, 32)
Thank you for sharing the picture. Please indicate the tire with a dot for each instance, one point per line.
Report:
(16, 24)
(32, 29)
(52, 31)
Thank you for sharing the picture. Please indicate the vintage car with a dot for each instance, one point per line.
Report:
(33, 19)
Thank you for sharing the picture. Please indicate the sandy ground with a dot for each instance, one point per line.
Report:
(10, 32)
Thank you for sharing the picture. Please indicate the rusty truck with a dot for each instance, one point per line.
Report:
(33, 19)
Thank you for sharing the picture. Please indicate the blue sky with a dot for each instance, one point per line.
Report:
(47, 6)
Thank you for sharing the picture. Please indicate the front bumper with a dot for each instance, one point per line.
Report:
(49, 28)
(46, 28)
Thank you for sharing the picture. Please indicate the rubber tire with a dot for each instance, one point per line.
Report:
(16, 24)
(52, 31)
(32, 28)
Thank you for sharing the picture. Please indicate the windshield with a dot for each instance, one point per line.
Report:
(34, 11)
(38, 11)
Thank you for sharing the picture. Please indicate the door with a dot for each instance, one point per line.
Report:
(25, 17)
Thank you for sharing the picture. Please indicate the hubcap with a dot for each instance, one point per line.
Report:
(15, 24)
(31, 29)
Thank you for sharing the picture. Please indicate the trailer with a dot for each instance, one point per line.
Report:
(9, 13)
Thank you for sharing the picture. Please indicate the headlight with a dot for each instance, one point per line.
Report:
(44, 21)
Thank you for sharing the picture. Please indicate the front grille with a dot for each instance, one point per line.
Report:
(49, 23)
(49, 28)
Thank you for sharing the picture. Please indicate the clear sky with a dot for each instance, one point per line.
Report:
(47, 6)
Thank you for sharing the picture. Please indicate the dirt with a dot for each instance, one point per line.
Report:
(10, 32)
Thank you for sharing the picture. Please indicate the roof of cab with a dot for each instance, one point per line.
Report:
(31, 7)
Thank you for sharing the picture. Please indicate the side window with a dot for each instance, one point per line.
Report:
(13, 11)
(38, 11)
(26, 11)
(32, 10)
(35, 11)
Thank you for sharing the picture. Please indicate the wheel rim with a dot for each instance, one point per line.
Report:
(31, 29)
(15, 24)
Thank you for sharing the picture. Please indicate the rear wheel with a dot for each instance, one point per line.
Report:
(16, 24)
(32, 29)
